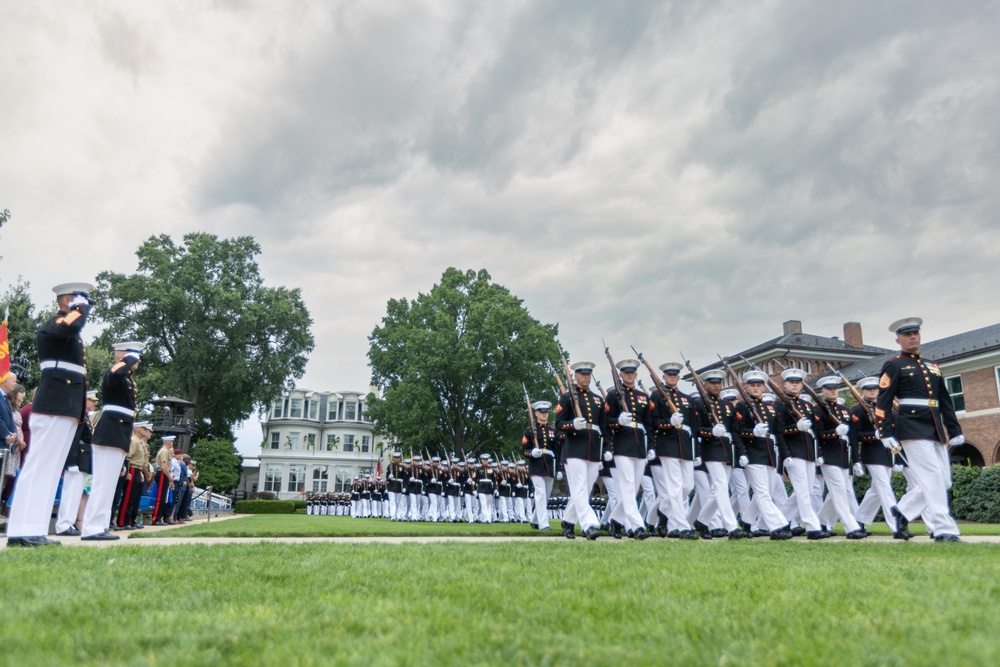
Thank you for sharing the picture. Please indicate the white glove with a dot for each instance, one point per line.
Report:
(803, 424)
(536, 453)
(650, 454)
(859, 470)
(842, 430)
(78, 300)
(760, 430)
(878, 433)
(787, 461)
(413, 479)
(819, 460)
(957, 440)
(608, 456)
(677, 420)
(898, 467)
(744, 461)
(624, 418)
(697, 461)
(559, 476)
(890, 442)
(580, 424)
(718, 431)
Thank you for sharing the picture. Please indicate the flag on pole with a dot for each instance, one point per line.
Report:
(378, 468)
(4, 350)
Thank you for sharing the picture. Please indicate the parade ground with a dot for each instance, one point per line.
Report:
(304, 590)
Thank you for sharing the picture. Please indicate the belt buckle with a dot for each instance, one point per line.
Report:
(932, 403)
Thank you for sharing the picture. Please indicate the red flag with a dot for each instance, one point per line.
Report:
(4, 352)
(378, 469)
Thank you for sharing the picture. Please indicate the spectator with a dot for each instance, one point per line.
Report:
(15, 398)
(180, 484)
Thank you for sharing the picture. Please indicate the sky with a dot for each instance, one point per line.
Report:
(672, 175)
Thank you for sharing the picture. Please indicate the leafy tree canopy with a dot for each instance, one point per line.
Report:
(218, 464)
(22, 324)
(216, 336)
(450, 366)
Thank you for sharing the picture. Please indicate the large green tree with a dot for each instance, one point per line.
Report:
(22, 324)
(450, 366)
(219, 464)
(215, 334)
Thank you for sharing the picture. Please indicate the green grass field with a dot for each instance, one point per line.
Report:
(512, 603)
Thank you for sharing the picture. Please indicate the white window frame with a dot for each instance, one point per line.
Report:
(291, 407)
(347, 442)
(331, 441)
(293, 436)
(277, 408)
(950, 393)
(320, 478)
(332, 411)
(272, 478)
(275, 440)
(313, 410)
(996, 376)
(342, 479)
(350, 411)
(295, 472)
(365, 443)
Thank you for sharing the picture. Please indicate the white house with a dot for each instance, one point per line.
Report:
(316, 442)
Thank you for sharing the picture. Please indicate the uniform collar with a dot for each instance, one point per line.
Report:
(911, 355)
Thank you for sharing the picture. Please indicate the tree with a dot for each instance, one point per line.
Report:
(22, 325)
(450, 365)
(219, 465)
(216, 336)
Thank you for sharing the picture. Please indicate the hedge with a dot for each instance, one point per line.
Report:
(974, 494)
(265, 507)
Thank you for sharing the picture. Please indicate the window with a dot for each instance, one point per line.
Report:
(276, 408)
(348, 443)
(996, 370)
(296, 478)
(331, 443)
(275, 440)
(364, 443)
(293, 439)
(331, 410)
(313, 409)
(295, 411)
(361, 410)
(350, 412)
(954, 386)
(342, 480)
(272, 478)
(320, 477)
(310, 441)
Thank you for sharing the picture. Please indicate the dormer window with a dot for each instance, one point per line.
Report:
(295, 410)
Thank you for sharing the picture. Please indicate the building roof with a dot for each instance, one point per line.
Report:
(802, 342)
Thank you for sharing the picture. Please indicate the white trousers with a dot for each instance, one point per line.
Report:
(434, 511)
(759, 477)
(836, 504)
(662, 504)
(818, 486)
(470, 507)
(69, 502)
(930, 467)
(801, 474)
(487, 505)
(414, 514)
(678, 478)
(879, 493)
(107, 468)
(503, 511)
(543, 489)
(718, 474)
(581, 475)
(741, 494)
(519, 514)
(649, 494)
(702, 492)
(611, 484)
(38, 481)
(627, 473)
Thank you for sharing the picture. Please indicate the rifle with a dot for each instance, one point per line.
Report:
(856, 394)
(601, 389)
(750, 403)
(820, 403)
(709, 405)
(614, 374)
(573, 390)
(656, 381)
(531, 417)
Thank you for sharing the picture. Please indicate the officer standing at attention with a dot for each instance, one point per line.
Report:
(925, 423)
(58, 408)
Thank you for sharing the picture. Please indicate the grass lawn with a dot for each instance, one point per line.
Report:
(511, 603)
(301, 525)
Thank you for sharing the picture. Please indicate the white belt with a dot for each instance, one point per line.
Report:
(120, 409)
(686, 429)
(594, 427)
(65, 365)
(922, 402)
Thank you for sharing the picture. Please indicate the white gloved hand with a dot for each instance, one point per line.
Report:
(697, 461)
(718, 431)
(744, 461)
(536, 453)
(559, 476)
(878, 433)
(957, 440)
(760, 430)
(890, 443)
(677, 420)
(898, 467)
(580, 424)
(608, 456)
(842, 429)
(78, 300)
(820, 461)
(624, 419)
(650, 454)
(803, 424)
(785, 464)
(859, 470)
(413, 479)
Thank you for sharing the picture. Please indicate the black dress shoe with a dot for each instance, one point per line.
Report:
(100, 537)
(688, 535)
(947, 538)
(534, 525)
(760, 532)
(817, 535)
(856, 535)
(674, 534)
(868, 533)
(738, 534)
(781, 534)
(641, 534)
(703, 531)
(592, 533)
(745, 526)
(902, 534)
(128, 527)
(34, 541)
(901, 521)
(69, 532)
(719, 533)
(567, 530)
(798, 530)
(615, 529)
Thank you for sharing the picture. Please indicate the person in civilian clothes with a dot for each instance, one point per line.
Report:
(582, 450)
(58, 408)
(870, 455)
(75, 471)
(675, 442)
(800, 466)
(835, 448)
(180, 484)
(164, 480)
(542, 463)
(924, 427)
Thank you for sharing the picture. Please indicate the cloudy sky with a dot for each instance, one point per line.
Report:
(673, 175)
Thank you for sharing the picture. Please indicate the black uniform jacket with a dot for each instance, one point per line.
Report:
(79, 452)
(712, 448)
(867, 448)
(546, 437)
(61, 391)
(117, 389)
(761, 451)
(677, 443)
(833, 449)
(393, 477)
(584, 444)
(801, 445)
(627, 439)
(911, 376)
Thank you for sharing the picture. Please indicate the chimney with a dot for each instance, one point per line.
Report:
(792, 327)
(852, 334)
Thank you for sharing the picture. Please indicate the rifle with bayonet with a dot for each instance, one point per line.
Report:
(657, 382)
(709, 404)
(750, 403)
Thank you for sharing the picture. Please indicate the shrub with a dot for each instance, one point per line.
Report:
(962, 479)
(265, 507)
(262, 495)
(983, 496)
(299, 505)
